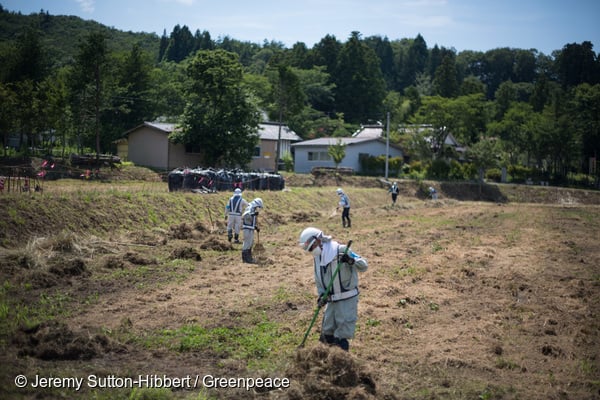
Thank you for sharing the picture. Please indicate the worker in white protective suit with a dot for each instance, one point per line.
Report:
(341, 313)
(344, 203)
(249, 225)
(234, 208)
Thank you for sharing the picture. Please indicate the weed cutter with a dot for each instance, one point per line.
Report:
(325, 295)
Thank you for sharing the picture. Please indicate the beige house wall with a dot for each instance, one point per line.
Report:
(178, 158)
(151, 148)
(266, 160)
(148, 145)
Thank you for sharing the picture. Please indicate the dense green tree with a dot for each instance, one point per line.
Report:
(540, 95)
(203, 41)
(8, 99)
(437, 112)
(515, 130)
(471, 115)
(58, 109)
(89, 80)
(299, 56)
(288, 99)
(220, 118)
(134, 105)
(509, 92)
(586, 121)
(360, 87)
(384, 51)
(413, 62)
(471, 63)
(497, 68)
(445, 82)
(525, 66)
(484, 154)
(326, 53)
(168, 83)
(29, 59)
(577, 63)
(315, 85)
(181, 44)
(26, 120)
(471, 85)
(162, 48)
(434, 60)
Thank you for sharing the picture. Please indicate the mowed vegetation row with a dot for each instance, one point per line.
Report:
(106, 210)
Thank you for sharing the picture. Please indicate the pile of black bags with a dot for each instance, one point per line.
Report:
(211, 180)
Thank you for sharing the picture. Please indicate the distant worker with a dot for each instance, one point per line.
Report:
(394, 190)
(250, 224)
(234, 208)
(433, 193)
(344, 203)
(339, 321)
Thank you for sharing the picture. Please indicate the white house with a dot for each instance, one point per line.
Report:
(314, 153)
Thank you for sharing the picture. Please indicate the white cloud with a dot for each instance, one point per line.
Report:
(86, 5)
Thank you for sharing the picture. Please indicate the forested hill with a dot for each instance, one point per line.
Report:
(72, 85)
(60, 35)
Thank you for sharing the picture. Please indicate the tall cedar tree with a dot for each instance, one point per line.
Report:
(360, 85)
(90, 80)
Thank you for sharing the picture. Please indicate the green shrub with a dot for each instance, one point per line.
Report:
(456, 172)
(519, 173)
(439, 169)
(494, 174)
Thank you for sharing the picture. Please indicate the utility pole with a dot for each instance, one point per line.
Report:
(387, 145)
(278, 148)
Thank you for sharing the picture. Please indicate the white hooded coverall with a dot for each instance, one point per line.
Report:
(341, 312)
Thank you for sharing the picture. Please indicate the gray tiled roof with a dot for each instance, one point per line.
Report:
(270, 131)
(369, 131)
(329, 141)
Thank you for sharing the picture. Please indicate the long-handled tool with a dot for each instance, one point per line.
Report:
(325, 295)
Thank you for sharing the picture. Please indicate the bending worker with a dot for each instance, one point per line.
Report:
(341, 313)
(250, 224)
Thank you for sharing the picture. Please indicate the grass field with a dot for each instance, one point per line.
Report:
(463, 299)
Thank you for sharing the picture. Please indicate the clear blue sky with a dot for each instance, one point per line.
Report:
(479, 25)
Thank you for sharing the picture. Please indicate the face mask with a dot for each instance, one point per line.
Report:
(316, 251)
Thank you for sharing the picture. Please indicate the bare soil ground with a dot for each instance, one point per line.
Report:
(463, 299)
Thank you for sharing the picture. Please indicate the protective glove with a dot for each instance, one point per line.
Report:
(321, 301)
(347, 259)
(257, 229)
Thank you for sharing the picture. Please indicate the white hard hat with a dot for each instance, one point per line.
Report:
(237, 191)
(339, 191)
(308, 237)
(258, 202)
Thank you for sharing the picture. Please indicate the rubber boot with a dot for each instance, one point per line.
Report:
(250, 259)
(343, 343)
(229, 236)
(327, 339)
(247, 257)
(237, 239)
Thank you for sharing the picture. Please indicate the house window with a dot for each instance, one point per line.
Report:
(256, 153)
(318, 156)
